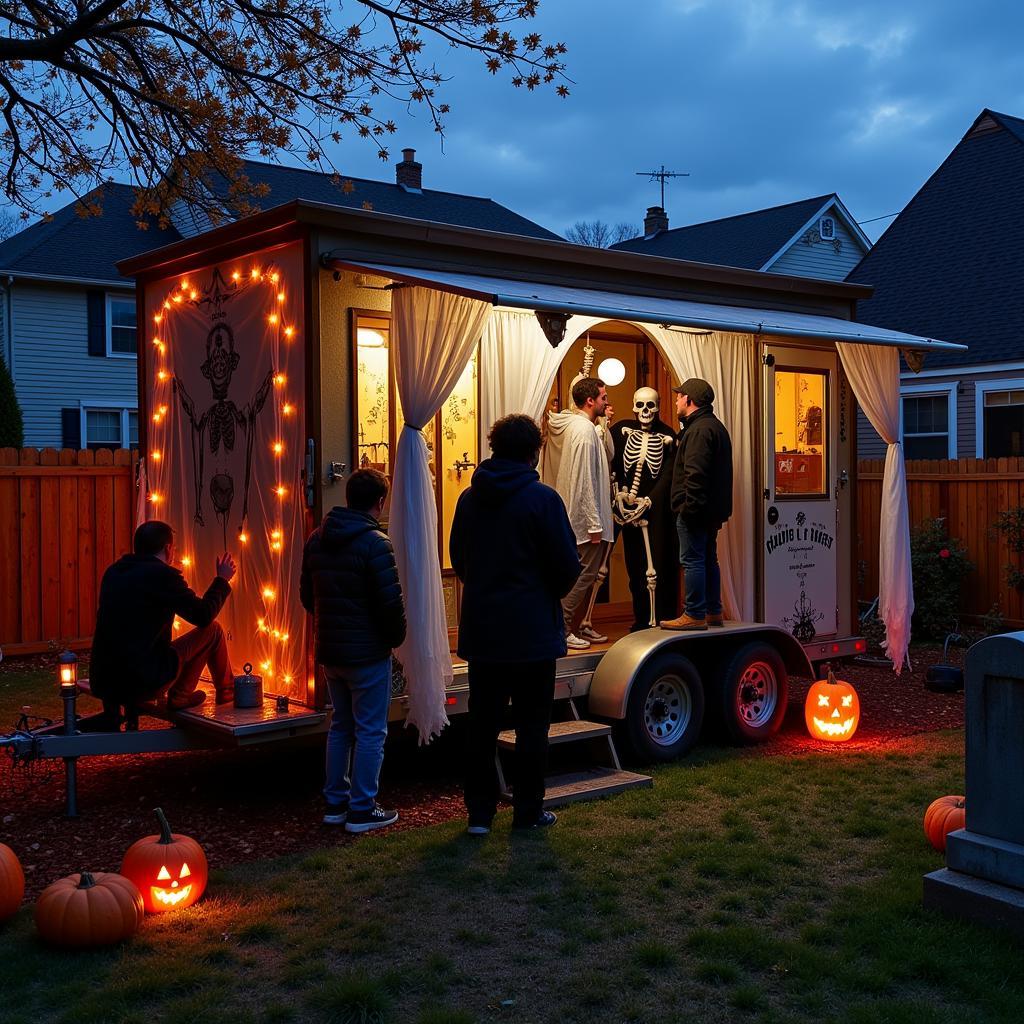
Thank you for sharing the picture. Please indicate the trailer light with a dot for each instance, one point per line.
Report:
(835, 648)
(859, 645)
(450, 701)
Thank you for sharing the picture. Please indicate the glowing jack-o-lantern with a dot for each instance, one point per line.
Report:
(169, 869)
(832, 710)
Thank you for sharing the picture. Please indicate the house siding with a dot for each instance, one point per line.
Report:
(52, 365)
(819, 259)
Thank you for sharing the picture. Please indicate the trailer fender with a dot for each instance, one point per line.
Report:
(614, 675)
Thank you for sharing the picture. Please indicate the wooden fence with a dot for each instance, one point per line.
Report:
(969, 494)
(64, 517)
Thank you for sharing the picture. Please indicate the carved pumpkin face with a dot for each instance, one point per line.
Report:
(169, 869)
(832, 710)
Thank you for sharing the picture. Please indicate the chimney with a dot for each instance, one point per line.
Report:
(409, 173)
(655, 221)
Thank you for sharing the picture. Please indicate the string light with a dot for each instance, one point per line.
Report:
(269, 593)
(177, 298)
(280, 379)
(156, 455)
(288, 680)
(275, 534)
(255, 274)
(184, 283)
(193, 295)
(280, 296)
(161, 375)
(272, 318)
(275, 277)
(186, 561)
(157, 317)
(155, 498)
(236, 276)
(289, 331)
(288, 408)
(277, 447)
(280, 491)
(243, 538)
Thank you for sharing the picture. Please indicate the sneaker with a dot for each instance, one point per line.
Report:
(336, 814)
(575, 643)
(367, 821)
(546, 819)
(479, 828)
(184, 701)
(591, 634)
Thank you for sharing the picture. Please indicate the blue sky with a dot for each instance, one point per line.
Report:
(761, 101)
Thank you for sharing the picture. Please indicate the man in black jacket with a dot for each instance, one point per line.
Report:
(514, 551)
(702, 501)
(134, 657)
(350, 585)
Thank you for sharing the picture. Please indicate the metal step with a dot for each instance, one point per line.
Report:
(561, 732)
(590, 784)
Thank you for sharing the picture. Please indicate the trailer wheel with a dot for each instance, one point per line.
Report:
(665, 709)
(752, 693)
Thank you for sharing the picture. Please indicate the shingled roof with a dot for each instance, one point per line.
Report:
(951, 265)
(748, 240)
(69, 246)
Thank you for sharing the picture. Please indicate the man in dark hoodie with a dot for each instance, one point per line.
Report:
(514, 551)
(702, 501)
(350, 585)
(134, 657)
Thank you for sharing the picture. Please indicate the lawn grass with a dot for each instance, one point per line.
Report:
(740, 887)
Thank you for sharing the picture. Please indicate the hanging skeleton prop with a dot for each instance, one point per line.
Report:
(221, 420)
(642, 472)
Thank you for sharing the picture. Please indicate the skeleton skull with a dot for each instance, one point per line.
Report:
(646, 404)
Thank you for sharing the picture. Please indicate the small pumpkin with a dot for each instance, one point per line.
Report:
(12, 882)
(85, 910)
(832, 710)
(169, 869)
(943, 816)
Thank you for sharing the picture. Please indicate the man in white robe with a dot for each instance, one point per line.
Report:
(576, 465)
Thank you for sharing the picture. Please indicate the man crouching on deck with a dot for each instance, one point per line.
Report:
(134, 657)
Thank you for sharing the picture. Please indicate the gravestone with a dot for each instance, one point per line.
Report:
(984, 875)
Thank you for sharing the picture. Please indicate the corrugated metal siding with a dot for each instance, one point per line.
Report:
(819, 259)
(53, 369)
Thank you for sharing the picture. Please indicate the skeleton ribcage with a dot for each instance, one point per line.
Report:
(642, 449)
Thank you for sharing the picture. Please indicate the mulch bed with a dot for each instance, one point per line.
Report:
(250, 804)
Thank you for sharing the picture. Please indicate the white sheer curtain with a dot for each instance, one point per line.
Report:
(874, 373)
(434, 337)
(728, 362)
(517, 368)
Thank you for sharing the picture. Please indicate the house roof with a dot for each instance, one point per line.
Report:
(951, 265)
(68, 246)
(748, 240)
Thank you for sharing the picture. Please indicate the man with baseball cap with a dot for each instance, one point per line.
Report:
(702, 501)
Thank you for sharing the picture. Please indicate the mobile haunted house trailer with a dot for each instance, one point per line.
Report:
(282, 350)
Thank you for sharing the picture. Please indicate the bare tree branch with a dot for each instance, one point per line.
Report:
(600, 234)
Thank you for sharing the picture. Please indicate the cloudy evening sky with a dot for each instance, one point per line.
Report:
(761, 101)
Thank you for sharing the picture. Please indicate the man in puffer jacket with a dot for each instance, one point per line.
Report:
(350, 585)
(515, 552)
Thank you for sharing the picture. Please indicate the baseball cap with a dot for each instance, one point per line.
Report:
(699, 391)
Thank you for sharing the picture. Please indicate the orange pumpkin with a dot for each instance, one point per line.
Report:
(832, 710)
(86, 909)
(169, 869)
(12, 882)
(943, 816)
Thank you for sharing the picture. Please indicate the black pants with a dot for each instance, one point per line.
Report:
(531, 687)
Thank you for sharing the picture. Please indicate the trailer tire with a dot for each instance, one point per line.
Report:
(752, 693)
(665, 709)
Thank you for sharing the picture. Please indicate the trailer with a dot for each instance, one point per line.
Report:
(285, 349)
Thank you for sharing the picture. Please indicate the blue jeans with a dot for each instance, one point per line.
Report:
(360, 696)
(702, 578)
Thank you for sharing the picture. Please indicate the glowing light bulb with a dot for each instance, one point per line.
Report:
(284, 637)
(289, 331)
(243, 538)
(161, 375)
(269, 593)
(157, 317)
(254, 274)
(177, 298)
(236, 276)
(275, 277)
(273, 318)
(167, 305)
(157, 417)
(156, 455)
(157, 342)
(155, 498)
(288, 408)
(265, 665)
(280, 296)
(280, 491)
(280, 379)
(186, 561)
(193, 295)
(288, 680)
(278, 448)
(184, 284)
(275, 534)
(275, 545)
(259, 623)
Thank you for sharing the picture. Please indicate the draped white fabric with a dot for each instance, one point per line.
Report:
(728, 362)
(434, 337)
(874, 374)
(517, 368)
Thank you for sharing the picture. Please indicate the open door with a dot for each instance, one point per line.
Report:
(800, 551)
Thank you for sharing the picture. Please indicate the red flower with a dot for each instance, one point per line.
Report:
(944, 553)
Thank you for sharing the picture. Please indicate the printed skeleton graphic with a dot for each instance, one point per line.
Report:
(221, 418)
(644, 448)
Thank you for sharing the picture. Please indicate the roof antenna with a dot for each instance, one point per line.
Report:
(662, 176)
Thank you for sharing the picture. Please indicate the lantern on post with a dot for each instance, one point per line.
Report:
(67, 680)
(67, 669)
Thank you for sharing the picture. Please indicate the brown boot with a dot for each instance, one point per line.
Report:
(685, 623)
(716, 620)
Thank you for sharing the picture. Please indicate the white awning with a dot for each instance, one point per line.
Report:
(645, 308)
